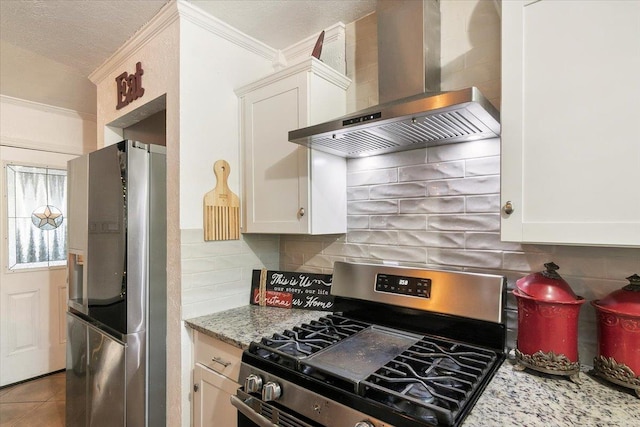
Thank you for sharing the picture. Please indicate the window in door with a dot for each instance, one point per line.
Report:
(36, 205)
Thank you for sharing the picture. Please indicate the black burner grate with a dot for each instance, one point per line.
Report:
(432, 380)
(288, 347)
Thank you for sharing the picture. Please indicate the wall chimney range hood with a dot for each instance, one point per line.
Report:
(408, 64)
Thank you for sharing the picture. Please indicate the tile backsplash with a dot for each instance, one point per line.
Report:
(402, 208)
(440, 207)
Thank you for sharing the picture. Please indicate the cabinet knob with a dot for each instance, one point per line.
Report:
(195, 387)
(301, 212)
(508, 207)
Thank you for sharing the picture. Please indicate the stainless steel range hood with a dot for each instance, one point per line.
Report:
(409, 63)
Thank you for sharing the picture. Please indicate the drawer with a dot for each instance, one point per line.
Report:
(218, 356)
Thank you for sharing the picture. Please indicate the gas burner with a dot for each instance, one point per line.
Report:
(385, 355)
(304, 340)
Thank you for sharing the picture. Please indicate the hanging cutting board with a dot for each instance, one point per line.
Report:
(221, 207)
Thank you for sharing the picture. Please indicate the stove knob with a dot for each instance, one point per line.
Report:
(253, 383)
(364, 424)
(271, 391)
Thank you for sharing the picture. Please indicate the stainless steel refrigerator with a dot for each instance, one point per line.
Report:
(116, 322)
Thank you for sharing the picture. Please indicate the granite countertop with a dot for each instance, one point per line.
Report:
(512, 397)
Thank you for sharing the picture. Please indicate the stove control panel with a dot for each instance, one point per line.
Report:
(271, 391)
(403, 285)
(253, 383)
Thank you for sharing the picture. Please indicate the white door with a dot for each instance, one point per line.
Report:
(32, 301)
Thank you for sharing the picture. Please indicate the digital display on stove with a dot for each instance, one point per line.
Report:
(401, 285)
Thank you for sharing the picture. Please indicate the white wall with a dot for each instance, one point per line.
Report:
(29, 76)
(36, 126)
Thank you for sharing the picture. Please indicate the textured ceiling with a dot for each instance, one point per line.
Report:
(49, 47)
(83, 34)
(79, 34)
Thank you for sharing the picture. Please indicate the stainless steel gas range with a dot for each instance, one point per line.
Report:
(404, 347)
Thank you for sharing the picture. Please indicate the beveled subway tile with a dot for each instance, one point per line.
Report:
(431, 171)
(391, 160)
(372, 207)
(357, 222)
(431, 239)
(456, 187)
(357, 193)
(385, 237)
(347, 250)
(481, 240)
(398, 222)
(468, 150)
(399, 253)
(394, 191)
(471, 222)
(378, 176)
(433, 205)
(196, 280)
(483, 203)
(483, 166)
(466, 258)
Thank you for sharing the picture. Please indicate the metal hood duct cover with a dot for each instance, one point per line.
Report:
(409, 63)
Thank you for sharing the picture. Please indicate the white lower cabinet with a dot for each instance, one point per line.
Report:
(211, 399)
(215, 380)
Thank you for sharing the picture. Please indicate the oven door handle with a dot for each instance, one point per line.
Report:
(248, 411)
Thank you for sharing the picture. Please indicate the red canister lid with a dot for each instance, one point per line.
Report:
(547, 286)
(623, 301)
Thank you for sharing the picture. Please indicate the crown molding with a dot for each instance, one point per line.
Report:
(334, 33)
(197, 16)
(29, 144)
(310, 64)
(163, 19)
(47, 108)
(171, 12)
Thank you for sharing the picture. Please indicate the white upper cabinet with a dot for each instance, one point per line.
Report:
(290, 189)
(570, 107)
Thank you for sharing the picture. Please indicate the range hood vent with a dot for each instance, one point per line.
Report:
(429, 118)
(405, 124)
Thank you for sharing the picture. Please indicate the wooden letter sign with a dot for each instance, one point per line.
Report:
(129, 87)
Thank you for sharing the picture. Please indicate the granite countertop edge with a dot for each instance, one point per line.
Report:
(515, 398)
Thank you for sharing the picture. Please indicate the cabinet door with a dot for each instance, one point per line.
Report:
(571, 97)
(275, 169)
(212, 399)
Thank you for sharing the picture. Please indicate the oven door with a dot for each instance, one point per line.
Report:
(254, 412)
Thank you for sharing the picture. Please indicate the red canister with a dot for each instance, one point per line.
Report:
(548, 313)
(618, 358)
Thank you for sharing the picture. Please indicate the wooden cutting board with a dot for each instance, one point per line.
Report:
(221, 207)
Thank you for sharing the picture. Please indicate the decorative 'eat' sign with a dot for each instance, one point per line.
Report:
(129, 86)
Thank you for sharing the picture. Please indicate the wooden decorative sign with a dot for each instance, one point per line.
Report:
(129, 87)
(287, 289)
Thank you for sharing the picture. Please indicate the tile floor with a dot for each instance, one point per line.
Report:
(35, 403)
